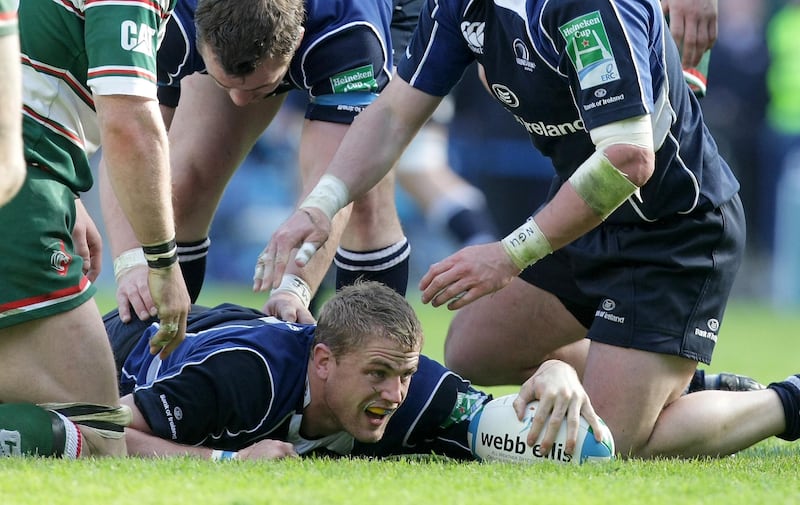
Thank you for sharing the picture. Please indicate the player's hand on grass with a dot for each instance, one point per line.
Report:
(268, 449)
(88, 242)
(693, 25)
(287, 307)
(467, 275)
(172, 302)
(297, 239)
(561, 396)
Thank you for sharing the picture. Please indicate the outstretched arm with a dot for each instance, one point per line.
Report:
(141, 442)
(622, 162)
(135, 153)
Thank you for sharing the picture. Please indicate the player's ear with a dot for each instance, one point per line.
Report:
(321, 359)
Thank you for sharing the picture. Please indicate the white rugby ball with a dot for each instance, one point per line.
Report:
(495, 434)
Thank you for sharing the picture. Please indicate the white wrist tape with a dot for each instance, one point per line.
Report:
(295, 285)
(127, 260)
(526, 245)
(223, 455)
(601, 185)
(330, 195)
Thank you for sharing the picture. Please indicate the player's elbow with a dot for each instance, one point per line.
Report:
(636, 162)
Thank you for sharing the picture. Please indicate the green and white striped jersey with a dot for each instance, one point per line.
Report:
(73, 50)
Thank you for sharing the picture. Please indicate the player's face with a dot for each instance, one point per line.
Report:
(366, 386)
(253, 87)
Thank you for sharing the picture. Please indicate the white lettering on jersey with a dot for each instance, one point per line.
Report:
(138, 38)
(551, 130)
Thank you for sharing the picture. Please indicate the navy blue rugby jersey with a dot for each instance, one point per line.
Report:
(240, 377)
(561, 67)
(344, 59)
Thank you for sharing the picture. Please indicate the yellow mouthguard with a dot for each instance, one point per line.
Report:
(377, 411)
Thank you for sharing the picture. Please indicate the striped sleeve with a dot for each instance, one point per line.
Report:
(122, 38)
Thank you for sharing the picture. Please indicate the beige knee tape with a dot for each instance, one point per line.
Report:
(105, 420)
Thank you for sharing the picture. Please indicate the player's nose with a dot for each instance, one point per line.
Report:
(241, 98)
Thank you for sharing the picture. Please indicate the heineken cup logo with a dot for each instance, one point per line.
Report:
(589, 50)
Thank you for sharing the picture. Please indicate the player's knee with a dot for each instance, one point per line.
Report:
(102, 426)
(459, 355)
(99, 445)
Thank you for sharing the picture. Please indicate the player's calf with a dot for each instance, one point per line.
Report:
(62, 430)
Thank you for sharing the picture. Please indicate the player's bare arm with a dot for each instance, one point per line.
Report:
(290, 301)
(623, 161)
(136, 157)
(12, 164)
(142, 442)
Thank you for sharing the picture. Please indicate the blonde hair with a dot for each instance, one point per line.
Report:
(363, 311)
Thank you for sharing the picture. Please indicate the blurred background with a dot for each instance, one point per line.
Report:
(752, 108)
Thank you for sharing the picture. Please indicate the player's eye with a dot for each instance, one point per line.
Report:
(377, 374)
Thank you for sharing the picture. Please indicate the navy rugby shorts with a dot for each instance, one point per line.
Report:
(660, 287)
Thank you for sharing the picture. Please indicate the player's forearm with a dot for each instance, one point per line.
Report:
(12, 164)
(150, 446)
(372, 146)
(119, 233)
(135, 153)
(622, 163)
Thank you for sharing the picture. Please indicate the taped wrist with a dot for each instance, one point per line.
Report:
(526, 245)
(162, 255)
(330, 195)
(295, 285)
(129, 259)
(601, 185)
(223, 455)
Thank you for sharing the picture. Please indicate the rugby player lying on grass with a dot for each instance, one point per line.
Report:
(249, 386)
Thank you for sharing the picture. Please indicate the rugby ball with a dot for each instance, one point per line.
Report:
(495, 434)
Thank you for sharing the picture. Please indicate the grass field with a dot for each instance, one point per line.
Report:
(754, 340)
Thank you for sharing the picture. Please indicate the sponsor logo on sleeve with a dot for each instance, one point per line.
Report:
(589, 50)
(473, 33)
(137, 38)
(357, 79)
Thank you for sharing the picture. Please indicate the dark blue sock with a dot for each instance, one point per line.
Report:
(388, 266)
(192, 257)
(789, 393)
